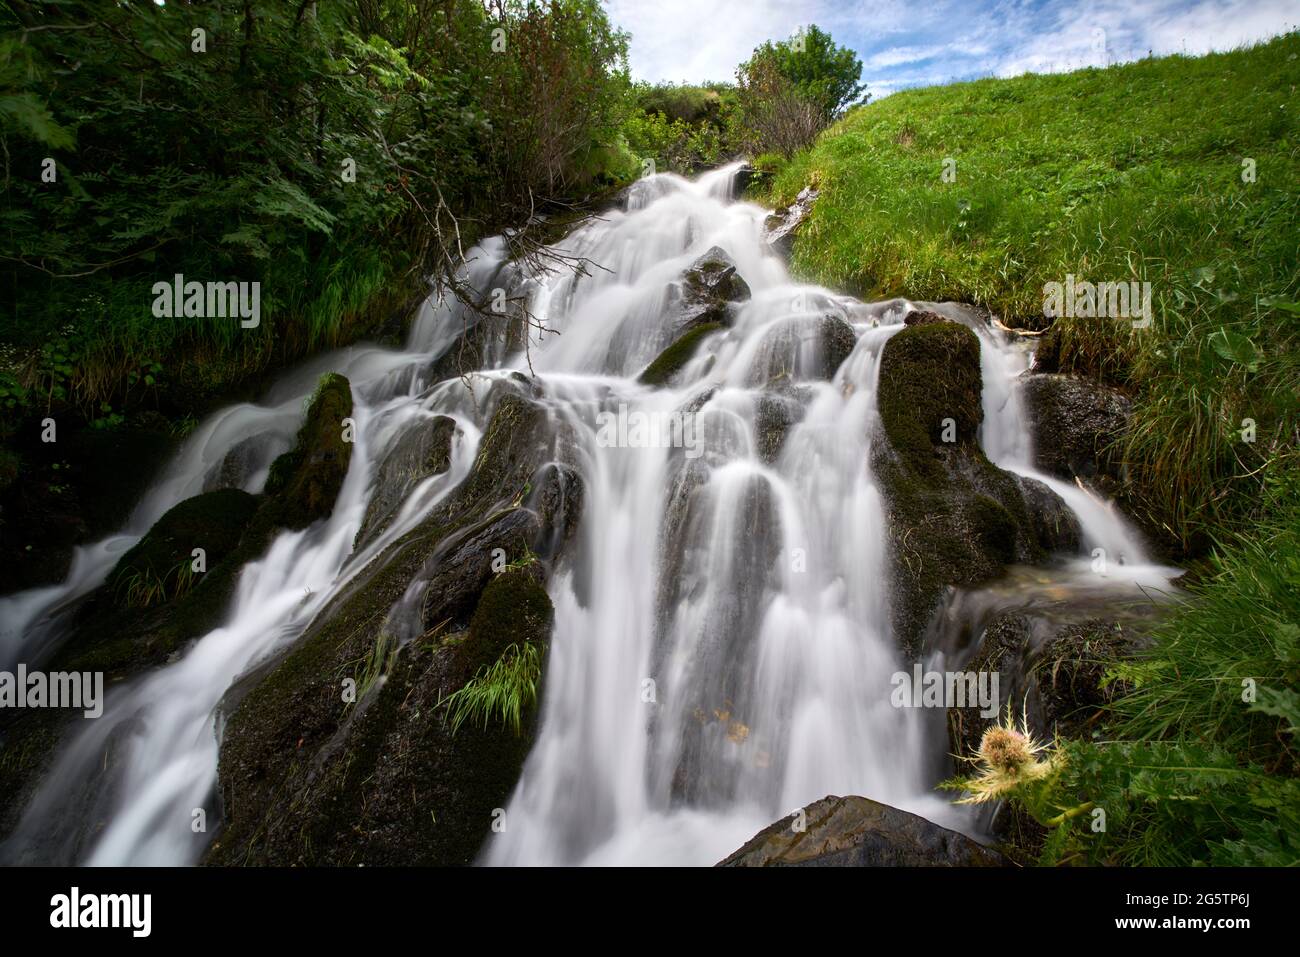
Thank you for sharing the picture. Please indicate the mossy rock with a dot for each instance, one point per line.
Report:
(513, 609)
(212, 521)
(774, 417)
(673, 359)
(301, 769)
(954, 517)
(709, 286)
(785, 356)
(930, 382)
(423, 450)
(305, 481)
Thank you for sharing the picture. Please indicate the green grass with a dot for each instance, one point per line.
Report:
(503, 691)
(1200, 762)
(1128, 173)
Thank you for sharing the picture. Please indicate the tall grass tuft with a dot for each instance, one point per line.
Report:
(502, 692)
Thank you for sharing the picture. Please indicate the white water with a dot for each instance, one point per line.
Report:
(721, 652)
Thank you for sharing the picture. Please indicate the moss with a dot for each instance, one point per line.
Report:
(674, 358)
(932, 373)
(212, 521)
(305, 481)
(955, 518)
(513, 609)
(115, 635)
(307, 777)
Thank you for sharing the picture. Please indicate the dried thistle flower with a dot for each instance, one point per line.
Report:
(1007, 758)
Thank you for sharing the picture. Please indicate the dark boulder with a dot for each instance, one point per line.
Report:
(858, 832)
(1075, 424)
(708, 288)
(305, 481)
(423, 450)
(954, 517)
(1054, 523)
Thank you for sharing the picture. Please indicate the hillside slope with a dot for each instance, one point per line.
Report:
(1179, 172)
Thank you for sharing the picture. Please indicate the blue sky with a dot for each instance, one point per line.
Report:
(905, 43)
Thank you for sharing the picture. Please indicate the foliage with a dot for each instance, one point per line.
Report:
(818, 70)
(789, 91)
(682, 128)
(503, 691)
(1129, 173)
(231, 159)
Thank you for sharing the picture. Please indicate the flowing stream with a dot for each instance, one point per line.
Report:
(722, 651)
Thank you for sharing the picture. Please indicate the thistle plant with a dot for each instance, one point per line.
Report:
(1011, 763)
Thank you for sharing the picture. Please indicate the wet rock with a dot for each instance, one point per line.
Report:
(954, 517)
(558, 500)
(673, 359)
(774, 416)
(237, 466)
(305, 482)
(802, 350)
(393, 784)
(1055, 525)
(858, 832)
(423, 450)
(308, 777)
(708, 288)
(783, 224)
(160, 566)
(464, 563)
(1075, 424)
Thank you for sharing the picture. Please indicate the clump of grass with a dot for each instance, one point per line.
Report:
(378, 663)
(502, 692)
(144, 588)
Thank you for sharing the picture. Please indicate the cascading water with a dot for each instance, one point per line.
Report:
(721, 652)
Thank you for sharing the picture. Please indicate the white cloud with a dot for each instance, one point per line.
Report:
(899, 42)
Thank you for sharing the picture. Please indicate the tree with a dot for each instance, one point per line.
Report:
(792, 89)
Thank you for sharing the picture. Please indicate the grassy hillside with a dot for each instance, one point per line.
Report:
(1129, 173)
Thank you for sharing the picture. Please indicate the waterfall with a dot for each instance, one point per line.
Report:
(721, 653)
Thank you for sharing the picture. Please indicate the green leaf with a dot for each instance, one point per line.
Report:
(1235, 347)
